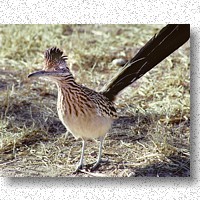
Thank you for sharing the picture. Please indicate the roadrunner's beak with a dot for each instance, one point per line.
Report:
(41, 73)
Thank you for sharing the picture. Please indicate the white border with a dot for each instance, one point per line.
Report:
(116, 11)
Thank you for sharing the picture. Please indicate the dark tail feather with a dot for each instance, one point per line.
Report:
(170, 38)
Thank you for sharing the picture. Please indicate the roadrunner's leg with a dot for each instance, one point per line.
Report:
(99, 155)
(80, 165)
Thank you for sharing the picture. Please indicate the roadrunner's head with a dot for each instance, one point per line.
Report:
(55, 65)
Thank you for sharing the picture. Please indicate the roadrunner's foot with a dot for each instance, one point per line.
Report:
(78, 167)
(98, 163)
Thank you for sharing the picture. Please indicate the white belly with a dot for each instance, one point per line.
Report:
(85, 126)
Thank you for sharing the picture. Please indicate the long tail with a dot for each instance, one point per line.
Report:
(170, 38)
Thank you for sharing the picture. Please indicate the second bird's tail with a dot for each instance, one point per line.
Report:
(170, 38)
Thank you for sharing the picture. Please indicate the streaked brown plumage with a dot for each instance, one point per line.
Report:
(89, 114)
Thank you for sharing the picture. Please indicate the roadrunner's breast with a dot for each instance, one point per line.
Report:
(86, 114)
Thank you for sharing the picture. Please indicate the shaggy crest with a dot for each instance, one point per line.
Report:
(54, 56)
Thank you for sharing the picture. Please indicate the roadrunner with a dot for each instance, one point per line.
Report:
(88, 114)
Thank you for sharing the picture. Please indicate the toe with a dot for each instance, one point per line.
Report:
(78, 168)
(97, 164)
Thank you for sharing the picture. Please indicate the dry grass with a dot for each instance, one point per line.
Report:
(151, 137)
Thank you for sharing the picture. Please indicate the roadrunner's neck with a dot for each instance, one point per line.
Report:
(68, 102)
